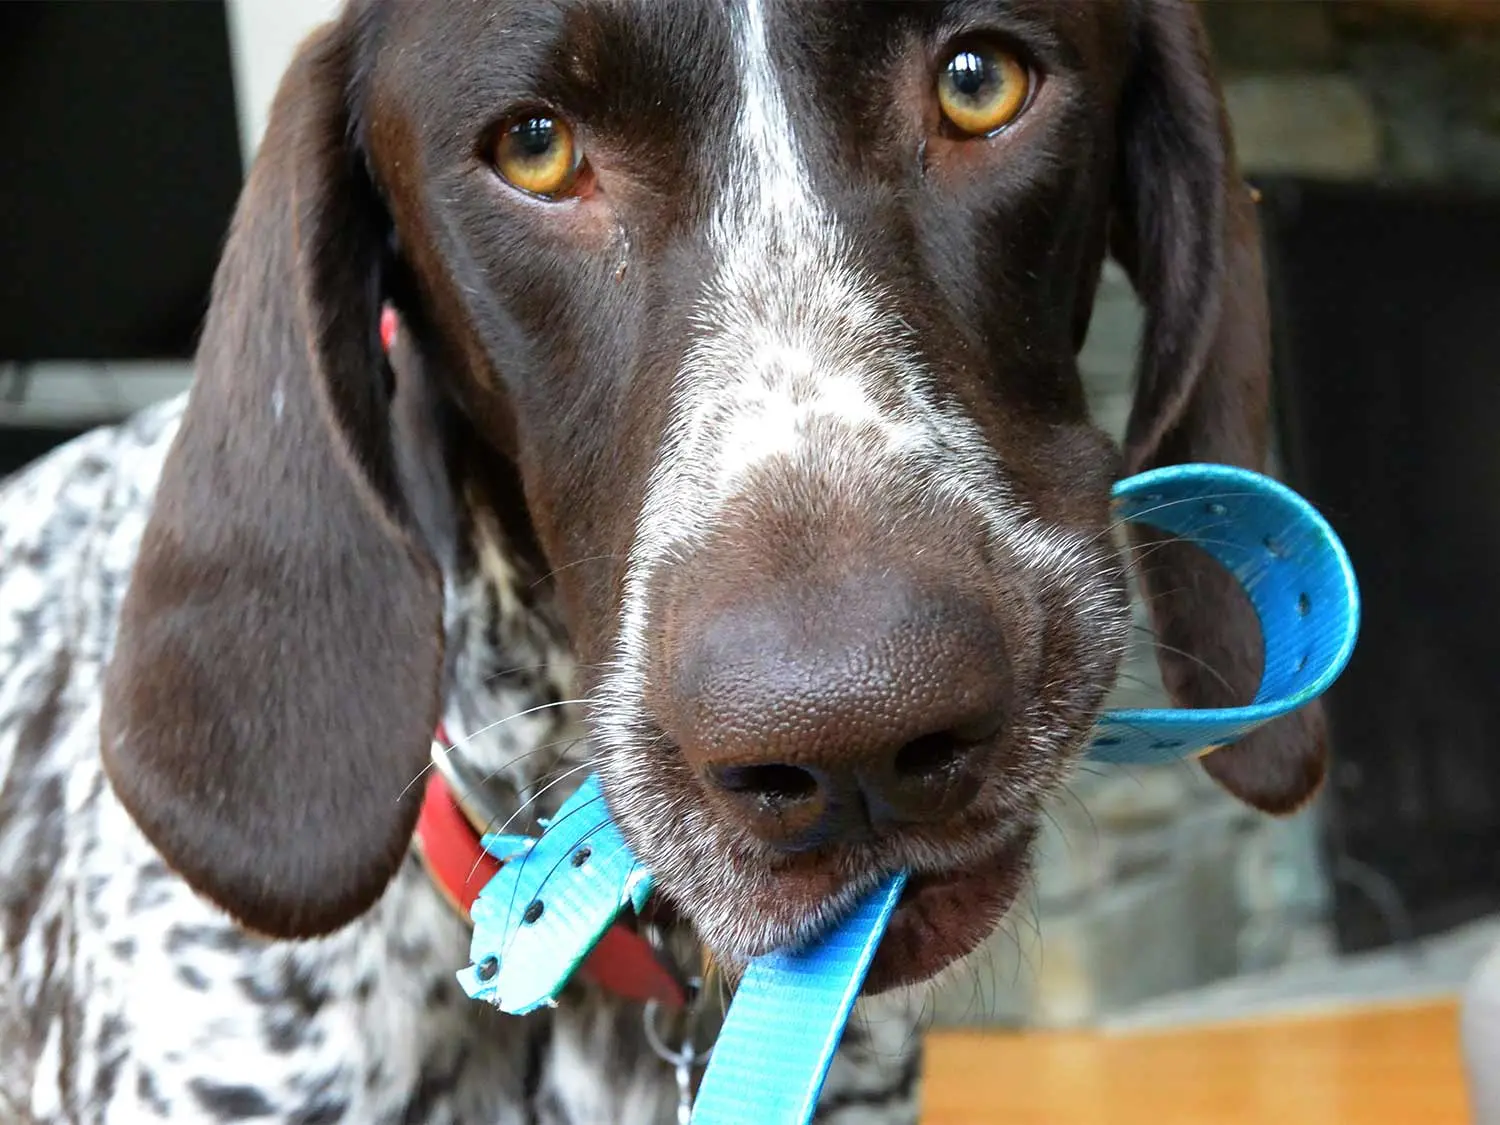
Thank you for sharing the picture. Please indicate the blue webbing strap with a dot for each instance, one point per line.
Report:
(1297, 575)
(787, 1018)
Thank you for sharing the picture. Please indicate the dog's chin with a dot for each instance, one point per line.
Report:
(943, 917)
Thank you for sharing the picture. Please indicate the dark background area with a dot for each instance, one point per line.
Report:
(122, 165)
(1387, 317)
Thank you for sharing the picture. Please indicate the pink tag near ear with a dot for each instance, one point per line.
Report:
(388, 328)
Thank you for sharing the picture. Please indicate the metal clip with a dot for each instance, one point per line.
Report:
(686, 1058)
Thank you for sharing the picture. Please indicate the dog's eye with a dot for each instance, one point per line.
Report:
(537, 154)
(982, 89)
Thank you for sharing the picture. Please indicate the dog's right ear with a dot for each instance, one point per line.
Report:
(1187, 234)
(274, 687)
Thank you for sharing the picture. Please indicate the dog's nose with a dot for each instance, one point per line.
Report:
(837, 715)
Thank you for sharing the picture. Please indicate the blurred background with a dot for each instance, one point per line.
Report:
(1372, 129)
(126, 128)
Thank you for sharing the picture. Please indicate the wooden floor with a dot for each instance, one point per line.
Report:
(1391, 1066)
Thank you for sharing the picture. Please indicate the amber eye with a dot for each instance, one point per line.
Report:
(537, 155)
(982, 89)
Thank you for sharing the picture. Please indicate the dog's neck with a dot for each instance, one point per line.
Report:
(520, 745)
(509, 672)
(510, 708)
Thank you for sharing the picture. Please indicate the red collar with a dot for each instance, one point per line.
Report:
(623, 962)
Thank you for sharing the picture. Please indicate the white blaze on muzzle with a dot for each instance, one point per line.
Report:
(799, 357)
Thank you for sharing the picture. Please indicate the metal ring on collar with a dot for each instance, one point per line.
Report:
(681, 1056)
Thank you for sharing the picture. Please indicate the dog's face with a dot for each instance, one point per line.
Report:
(765, 315)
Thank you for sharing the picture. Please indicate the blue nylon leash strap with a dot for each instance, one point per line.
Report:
(1296, 574)
(537, 919)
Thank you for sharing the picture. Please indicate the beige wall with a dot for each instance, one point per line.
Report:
(263, 34)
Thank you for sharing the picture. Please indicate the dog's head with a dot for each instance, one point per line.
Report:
(756, 323)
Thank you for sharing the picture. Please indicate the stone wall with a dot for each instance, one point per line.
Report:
(1350, 90)
(1151, 881)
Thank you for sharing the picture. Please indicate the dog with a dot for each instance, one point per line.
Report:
(732, 445)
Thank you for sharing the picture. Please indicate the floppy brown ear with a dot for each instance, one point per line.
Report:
(275, 682)
(1187, 233)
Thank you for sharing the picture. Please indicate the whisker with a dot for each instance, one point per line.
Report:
(915, 1028)
(511, 905)
(1098, 769)
(1186, 655)
(527, 856)
(516, 759)
(926, 1018)
(500, 673)
(542, 666)
(587, 836)
(534, 798)
(975, 1005)
(576, 562)
(1146, 599)
(993, 975)
(1139, 555)
(1034, 963)
(1140, 517)
(1023, 962)
(861, 1018)
(1082, 807)
(1052, 820)
(566, 743)
(559, 771)
(721, 980)
(1139, 681)
(469, 738)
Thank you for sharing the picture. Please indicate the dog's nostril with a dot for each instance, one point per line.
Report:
(773, 784)
(930, 756)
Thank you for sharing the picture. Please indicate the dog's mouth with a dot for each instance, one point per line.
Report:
(736, 898)
(734, 906)
(942, 916)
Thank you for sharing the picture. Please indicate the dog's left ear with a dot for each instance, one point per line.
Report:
(276, 677)
(1185, 229)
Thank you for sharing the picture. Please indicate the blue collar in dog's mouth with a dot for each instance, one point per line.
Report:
(538, 918)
